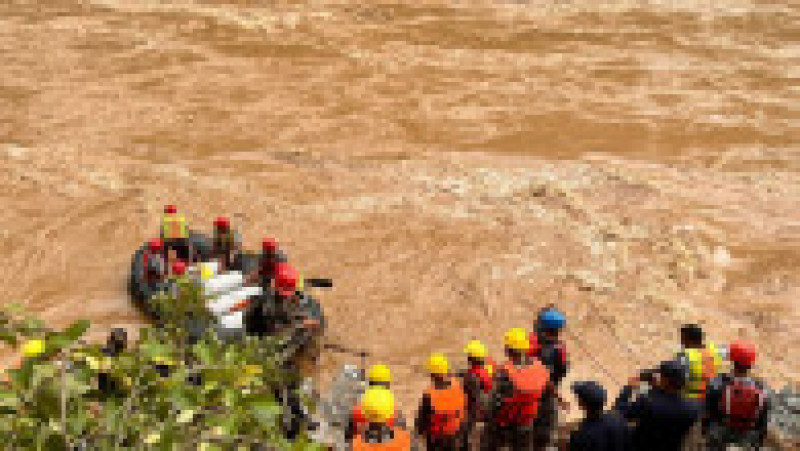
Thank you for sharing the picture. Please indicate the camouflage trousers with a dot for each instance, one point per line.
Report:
(720, 436)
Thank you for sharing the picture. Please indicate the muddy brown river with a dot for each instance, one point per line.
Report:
(453, 166)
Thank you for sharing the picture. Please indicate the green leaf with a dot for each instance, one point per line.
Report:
(55, 343)
(77, 329)
(8, 337)
(266, 413)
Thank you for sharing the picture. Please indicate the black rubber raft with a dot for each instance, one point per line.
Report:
(258, 320)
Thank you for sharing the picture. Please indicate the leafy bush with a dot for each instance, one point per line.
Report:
(167, 392)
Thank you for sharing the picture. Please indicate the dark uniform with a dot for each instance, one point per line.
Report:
(663, 419)
(603, 432)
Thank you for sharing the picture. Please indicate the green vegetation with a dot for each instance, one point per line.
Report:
(166, 392)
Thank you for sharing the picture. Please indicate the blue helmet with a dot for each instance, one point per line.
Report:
(552, 320)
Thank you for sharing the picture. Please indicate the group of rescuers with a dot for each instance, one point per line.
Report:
(689, 404)
(685, 403)
(166, 260)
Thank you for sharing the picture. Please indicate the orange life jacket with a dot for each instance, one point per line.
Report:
(485, 373)
(529, 382)
(400, 442)
(449, 409)
(360, 422)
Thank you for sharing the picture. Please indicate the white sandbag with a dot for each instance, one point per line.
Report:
(223, 283)
(221, 305)
(233, 321)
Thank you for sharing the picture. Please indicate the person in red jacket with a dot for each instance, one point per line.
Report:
(478, 380)
(519, 387)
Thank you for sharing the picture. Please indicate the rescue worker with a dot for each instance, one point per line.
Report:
(518, 388)
(178, 278)
(381, 377)
(154, 264)
(551, 351)
(282, 307)
(478, 380)
(597, 431)
(703, 362)
(175, 233)
(268, 261)
(378, 407)
(226, 243)
(442, 414)
(663, 417)
(738, 404)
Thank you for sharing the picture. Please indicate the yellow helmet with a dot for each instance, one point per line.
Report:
(380, 373)
(32, 348)
(437, 363)
(377, 405)
(517, 339)
(476, 349)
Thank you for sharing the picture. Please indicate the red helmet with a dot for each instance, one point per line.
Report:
(155, 245)
(269, 245)
(285, 279)
(222, 223)
(742, 352)
(178, 268)
(170, 209)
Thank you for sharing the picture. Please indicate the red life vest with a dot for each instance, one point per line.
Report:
(485, 373)
(360, 422)
(522, 407)
(533, 350)
(742, 401)
(449, 409)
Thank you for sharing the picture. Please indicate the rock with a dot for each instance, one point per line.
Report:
(785, 417)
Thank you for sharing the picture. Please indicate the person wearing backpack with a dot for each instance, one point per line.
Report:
(737, 404)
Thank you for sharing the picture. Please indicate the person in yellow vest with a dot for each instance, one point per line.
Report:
(442, 413)
(702, 361)
(378, 407)
(175, 233)
(379, 376)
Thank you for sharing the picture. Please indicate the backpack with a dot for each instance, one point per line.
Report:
(741, 402)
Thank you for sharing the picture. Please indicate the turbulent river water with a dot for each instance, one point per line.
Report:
(452, 165)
